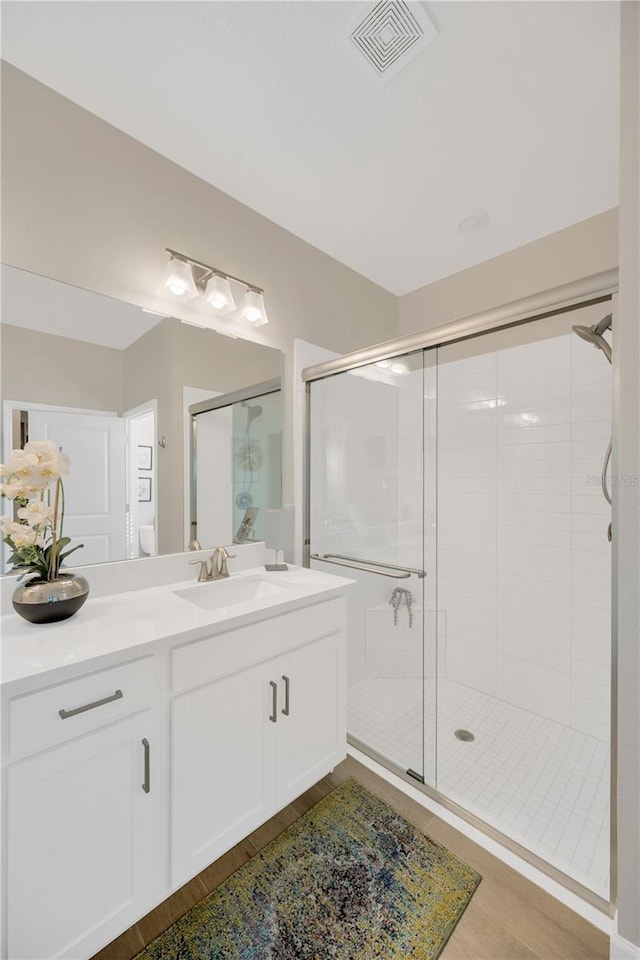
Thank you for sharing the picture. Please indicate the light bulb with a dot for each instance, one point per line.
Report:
(178, 280)
(218, 294)
(253, 310)
(400, 367)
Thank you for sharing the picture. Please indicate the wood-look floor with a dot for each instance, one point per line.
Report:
(509, 918)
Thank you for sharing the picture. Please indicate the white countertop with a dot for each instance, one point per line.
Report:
(129, 622)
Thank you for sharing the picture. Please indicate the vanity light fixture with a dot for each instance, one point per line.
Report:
(187, 279)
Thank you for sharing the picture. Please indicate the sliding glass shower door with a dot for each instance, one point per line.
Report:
(370, 431)
(462, 490)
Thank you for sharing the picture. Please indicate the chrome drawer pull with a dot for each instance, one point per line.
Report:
(65, 714)
(287, 683)
(274, 701)
(146, 786)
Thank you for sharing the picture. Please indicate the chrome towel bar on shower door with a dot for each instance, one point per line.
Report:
(369, 566)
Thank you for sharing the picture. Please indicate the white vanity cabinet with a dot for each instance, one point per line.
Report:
(243, 746)
(311, 721)
(83, 859)
(223, 774)
(129, 771)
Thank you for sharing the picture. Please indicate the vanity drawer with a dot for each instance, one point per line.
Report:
(205, 660)
(56, 714)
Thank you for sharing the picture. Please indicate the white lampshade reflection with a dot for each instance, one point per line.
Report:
(178, 280)
(218, 294)
(399, 366)
(253, 310)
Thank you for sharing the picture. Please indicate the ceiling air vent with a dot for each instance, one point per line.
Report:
(389, 34)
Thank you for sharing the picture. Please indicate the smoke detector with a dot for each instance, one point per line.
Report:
(389, 34)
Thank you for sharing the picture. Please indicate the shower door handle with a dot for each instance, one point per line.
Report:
(370, 566)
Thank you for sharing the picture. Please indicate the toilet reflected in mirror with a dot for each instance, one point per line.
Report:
(147, 540)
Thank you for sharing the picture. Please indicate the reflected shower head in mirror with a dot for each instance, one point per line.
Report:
(594, 335)
(253, 411)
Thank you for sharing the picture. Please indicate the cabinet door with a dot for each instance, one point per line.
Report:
(222, 767)
(312, 733)
(84, 859)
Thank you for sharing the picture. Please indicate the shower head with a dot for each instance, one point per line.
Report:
(253, 412)
(593, 335)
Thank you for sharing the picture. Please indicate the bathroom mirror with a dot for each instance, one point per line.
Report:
(112, 385)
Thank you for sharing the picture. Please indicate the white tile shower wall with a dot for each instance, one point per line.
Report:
(523, 559)
(354, 489)
(354, 466)
(394, 644)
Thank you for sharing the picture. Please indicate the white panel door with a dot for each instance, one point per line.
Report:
(85, 859)
(95, 488)
(311, 722)
(223, 773)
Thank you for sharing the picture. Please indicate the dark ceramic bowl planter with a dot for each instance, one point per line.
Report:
(49, 601)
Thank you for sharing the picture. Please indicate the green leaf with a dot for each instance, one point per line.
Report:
(63, 556)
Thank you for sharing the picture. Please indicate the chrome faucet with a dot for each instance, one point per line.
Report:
(216, 567)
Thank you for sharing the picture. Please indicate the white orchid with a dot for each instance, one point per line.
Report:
(49, 463)
(20, 464)
(35, 537)
(19, 490)
(19, 533)
(36, 514)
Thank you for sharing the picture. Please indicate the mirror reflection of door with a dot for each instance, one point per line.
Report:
(95, 486)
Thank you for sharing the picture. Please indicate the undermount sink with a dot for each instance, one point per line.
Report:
(225, 593)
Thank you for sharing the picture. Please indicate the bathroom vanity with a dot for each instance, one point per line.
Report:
(149, 734)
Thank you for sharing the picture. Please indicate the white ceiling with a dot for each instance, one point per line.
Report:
(38, 303)
(512, 109)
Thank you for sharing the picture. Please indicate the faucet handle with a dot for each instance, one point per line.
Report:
(203, 575)
(224, 553)
(219, 559)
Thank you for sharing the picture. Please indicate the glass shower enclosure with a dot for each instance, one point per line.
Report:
(458, 485)
(236, 464)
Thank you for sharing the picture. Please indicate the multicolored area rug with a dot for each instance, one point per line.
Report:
(350, 880)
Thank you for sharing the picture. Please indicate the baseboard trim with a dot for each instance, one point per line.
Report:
(622, 949)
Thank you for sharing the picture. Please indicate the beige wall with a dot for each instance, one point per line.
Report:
(57, 370)
(205, 359)
(87, 204)
(585, 248)
(627, 467)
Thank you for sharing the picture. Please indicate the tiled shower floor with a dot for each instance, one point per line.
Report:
(543, 784)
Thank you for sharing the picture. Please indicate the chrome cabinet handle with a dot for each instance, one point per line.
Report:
(287, 683)
(65, 714)
(274, 701)
(146, 786)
